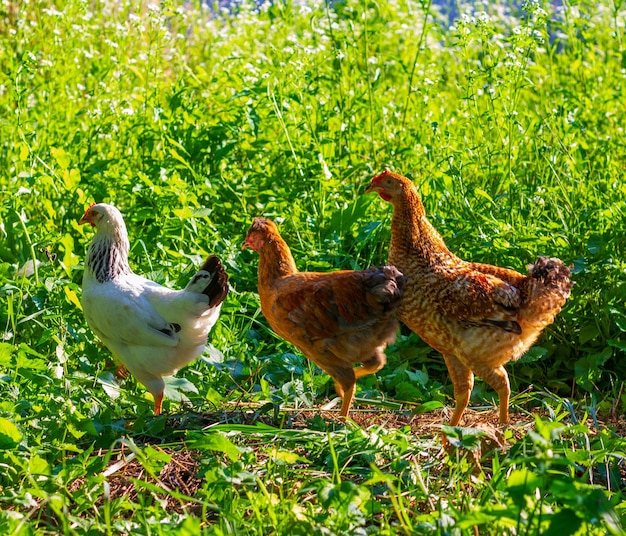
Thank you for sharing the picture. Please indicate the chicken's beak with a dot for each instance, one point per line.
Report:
(379, 189)
(85, 219)
(371, 188)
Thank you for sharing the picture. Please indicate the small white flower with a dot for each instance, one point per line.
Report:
(327, 174)
(52, 12)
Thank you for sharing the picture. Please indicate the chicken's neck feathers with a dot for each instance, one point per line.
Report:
(275, 260)
(107, 258)
(412, 234)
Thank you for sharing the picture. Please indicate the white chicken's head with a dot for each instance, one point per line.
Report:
(105, 218)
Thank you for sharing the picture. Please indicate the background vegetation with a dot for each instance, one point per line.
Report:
(195, 118)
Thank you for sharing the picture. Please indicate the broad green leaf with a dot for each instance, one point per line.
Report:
(427, 407)
(214, 441)
(10, 435)
(61, 157)
(38, 465)
(71, 179)
(617, 344)
(563, 523)
(6, 351)
(175, 384)
(535, 353)
(522, 483)
(287, 457)
(69, 258)
(183, 213)
(72, 297)
(23, 151)
(109, 384)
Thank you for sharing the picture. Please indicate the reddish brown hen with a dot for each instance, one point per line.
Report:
(478, 316)
(335, 319)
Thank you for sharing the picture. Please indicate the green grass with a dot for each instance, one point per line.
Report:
(193, 120)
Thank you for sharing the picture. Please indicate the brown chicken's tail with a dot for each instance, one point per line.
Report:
(552, 275)
(217, 289)
(387, 286)
(551, 272)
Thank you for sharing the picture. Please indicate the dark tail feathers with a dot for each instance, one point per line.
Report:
(217, 289)
(552, 272)
(388, 286)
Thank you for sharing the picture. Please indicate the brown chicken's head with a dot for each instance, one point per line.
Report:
(260, 229)
(389, 185)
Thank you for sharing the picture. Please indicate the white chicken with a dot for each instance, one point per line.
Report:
(152, 330)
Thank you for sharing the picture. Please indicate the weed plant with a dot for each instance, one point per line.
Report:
(193, 118)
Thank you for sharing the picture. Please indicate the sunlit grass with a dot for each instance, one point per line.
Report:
(195, 118)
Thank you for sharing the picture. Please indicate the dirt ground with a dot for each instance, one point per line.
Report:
(181, 473)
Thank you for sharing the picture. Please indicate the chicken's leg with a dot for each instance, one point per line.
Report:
(345, 381)
(371, 365)
(345, 378)
(158, 401)
(156, 387)
(499, 381)
(463, 382)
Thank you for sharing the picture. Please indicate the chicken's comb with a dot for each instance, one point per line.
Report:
(386, 173)
(92, 204)
(259, 222)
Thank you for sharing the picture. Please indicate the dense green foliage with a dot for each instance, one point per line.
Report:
(193, 120)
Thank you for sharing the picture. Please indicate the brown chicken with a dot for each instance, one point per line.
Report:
(478, 316)
(335, 319)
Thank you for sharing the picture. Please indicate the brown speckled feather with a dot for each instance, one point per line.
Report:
(478, 316)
